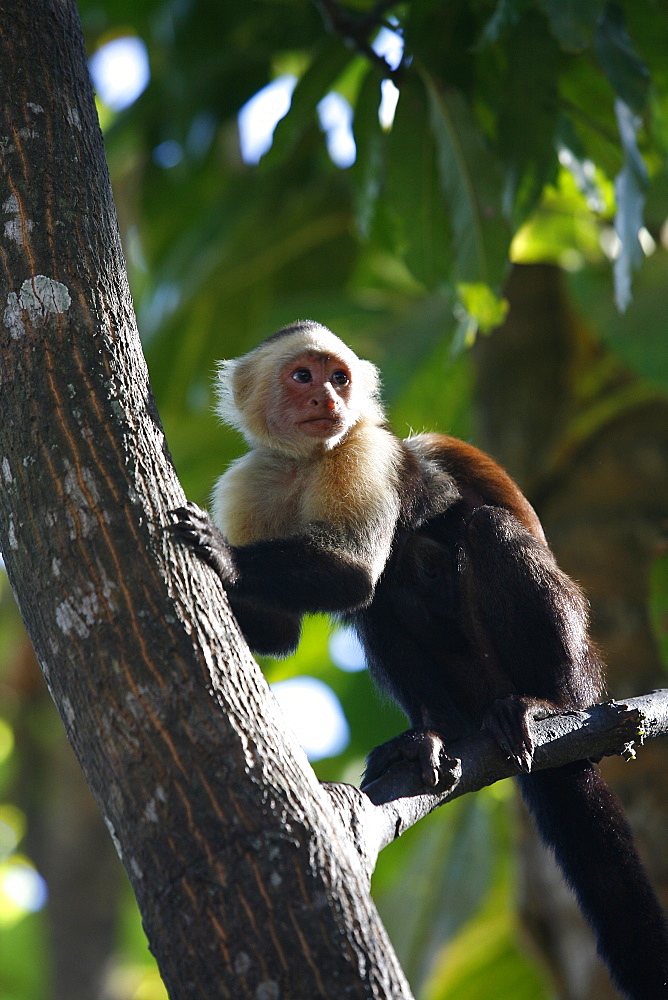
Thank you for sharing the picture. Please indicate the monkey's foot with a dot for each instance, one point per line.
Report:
(507, 721)
(422, 745)
(195, 528)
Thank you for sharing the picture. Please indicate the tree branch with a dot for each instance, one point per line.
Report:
(398, 799)
(354, 29)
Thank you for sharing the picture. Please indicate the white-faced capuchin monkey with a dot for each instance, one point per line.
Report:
(431, 552)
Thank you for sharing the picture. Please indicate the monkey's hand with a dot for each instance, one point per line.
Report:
(507, 720)
(195, 528)
(422, 745)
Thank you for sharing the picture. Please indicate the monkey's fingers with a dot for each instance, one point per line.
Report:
(194, 528)
(190, 514)
(506, 721)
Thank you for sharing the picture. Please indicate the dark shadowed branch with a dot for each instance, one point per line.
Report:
(355, 29)
(398, 799)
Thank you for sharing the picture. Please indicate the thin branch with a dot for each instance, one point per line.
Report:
(354, 29)
(398, 799)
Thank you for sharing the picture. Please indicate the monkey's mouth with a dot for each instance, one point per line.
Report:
(322, 425)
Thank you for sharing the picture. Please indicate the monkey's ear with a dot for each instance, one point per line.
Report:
(243, 388)
(366, 399)
(226, 387)
(369, 377)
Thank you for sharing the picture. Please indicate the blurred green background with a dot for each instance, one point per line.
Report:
(531, 131)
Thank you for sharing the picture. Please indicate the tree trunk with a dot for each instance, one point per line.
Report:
(247, 885)
(596, 468)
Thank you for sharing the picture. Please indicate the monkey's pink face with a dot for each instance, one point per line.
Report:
(314, 397)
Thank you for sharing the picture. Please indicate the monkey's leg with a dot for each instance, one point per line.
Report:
(528, 621)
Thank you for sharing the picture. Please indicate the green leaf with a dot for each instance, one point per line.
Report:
(414, 194)
(368, 170)
(506, 15)
(478, 309)
(630, 189)
(528, 115)
(329, 61)
(628, 75)
(573, 22)
(471, 184)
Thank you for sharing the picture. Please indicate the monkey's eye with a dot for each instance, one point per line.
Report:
(302, 375)
(339, 377)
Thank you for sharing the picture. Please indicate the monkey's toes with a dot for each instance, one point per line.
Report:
(422, 745)
(506, 721)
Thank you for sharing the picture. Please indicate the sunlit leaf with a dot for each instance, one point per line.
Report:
(6, 740)
(471, 184)
(563, 229)
(630, 189)
(12, 828)
(596, 189)
(482, 306)
(141, 982)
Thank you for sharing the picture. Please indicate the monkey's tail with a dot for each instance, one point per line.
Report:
(583, 822)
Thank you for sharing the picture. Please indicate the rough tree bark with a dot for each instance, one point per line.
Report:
(245, 879)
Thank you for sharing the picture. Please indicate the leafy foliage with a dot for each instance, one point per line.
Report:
(489, 95)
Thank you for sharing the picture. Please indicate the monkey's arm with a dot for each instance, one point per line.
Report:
(267, 631)
(303, 573)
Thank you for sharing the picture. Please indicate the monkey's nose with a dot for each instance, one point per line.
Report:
(326, 401)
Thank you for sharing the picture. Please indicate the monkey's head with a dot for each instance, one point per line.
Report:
(301, 390)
